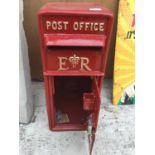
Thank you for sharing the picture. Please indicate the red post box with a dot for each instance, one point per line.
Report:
(74, 47)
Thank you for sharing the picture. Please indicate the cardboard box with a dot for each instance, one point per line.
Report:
(124, 63)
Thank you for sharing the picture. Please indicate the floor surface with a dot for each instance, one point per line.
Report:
(115, 134)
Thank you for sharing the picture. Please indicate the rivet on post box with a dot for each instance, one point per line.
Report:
(74, 40)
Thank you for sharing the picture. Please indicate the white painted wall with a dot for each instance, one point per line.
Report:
(25, 93)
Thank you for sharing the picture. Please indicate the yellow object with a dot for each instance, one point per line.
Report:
(124, 65)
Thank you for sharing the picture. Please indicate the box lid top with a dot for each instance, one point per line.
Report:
(74, 7)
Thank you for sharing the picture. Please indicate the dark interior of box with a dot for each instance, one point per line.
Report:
(68, 99)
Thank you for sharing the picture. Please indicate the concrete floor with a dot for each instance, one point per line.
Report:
(115, 134)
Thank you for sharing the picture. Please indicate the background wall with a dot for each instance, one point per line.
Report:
(31, 29)
(25, 94)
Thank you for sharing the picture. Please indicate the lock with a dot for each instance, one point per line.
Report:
(74, 39)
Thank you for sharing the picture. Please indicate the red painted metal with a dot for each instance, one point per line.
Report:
(74, 47)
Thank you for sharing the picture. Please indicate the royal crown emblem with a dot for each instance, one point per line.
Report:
(74, 60)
